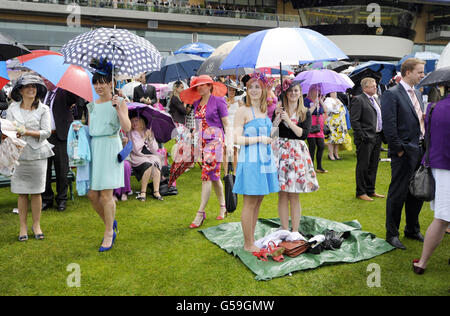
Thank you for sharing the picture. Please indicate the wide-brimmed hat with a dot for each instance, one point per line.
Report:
(27, 79)
(189, 96)
(232, 84)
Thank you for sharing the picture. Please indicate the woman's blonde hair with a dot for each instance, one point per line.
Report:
(301, 110)
(263, 101)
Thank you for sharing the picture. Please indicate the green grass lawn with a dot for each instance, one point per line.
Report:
(157, 254)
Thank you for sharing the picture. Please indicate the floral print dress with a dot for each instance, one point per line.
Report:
(295, 168)
(211, 142)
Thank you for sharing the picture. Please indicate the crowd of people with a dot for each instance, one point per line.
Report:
(273, 135)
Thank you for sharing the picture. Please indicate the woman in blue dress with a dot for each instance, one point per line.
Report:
(107, 115)
(256, 174)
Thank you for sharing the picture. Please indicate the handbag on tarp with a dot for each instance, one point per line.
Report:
(294, 248)
(422, 185)
(230, 197)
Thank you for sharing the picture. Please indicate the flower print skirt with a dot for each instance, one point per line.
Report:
(296, 172)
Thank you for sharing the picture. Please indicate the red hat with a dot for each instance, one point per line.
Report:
(189, 96)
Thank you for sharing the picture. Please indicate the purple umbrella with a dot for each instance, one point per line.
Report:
(327, 80)
(160, 122)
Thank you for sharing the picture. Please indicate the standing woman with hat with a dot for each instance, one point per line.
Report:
(295, 168)
(33, 119)
(211, 116)
(233, 104)
(107, 115)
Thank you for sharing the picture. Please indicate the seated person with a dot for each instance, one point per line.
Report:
(144, 159)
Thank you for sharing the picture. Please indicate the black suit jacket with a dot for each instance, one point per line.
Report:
(363, 118)
(62, 112)
(401, 124)
(150, 92)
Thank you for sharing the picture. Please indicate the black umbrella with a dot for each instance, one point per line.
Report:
(9, 48)
(339, 65)
(356, 78)
(211, 66)
(437, 77)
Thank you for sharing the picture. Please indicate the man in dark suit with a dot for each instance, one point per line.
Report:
(365, 118)
(61, 103)
(144, 93)
(403, 127)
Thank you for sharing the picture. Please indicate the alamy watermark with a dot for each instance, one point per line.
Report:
(74, 17)
(74, 278)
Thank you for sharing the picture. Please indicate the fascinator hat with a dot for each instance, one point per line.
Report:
(27, 79)
(281, 89)
(189, 96)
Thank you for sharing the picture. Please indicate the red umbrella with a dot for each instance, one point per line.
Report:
(51, 66)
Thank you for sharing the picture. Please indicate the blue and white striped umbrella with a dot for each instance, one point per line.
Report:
(288, 46)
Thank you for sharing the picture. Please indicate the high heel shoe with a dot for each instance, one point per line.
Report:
(203, 219)
(337, 157)
(141, 197)
(329, 158)
(157, 197)
(38, 236)
(416, 269)
(103, 249)
(115, 227)
(222, 217)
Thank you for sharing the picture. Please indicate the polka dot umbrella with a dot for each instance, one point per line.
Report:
(129, 53)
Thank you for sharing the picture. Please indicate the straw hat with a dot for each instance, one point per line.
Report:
(26, 79)
(189, 96)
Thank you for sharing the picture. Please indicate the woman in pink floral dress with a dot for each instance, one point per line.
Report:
(295, 168)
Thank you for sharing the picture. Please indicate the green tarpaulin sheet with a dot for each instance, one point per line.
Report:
(360, 245)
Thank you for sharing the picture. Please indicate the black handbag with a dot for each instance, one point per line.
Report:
(326, 130)
(422, 185)
(315, 129)
(231, 198)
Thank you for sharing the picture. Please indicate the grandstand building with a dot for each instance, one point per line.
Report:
(377, 29)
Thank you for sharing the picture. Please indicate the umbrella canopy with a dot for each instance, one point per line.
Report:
(357, 77)
(199, 49)
(437, 77)
(130, 54)
(159, 122)
(318, 65)
(224, 49)
(327, 80)
(429, 57)
(288, 46)
(387, 70)
(128, 89)
(339, 65)
(9, 48)
(51, 66)
(444, 60)
(4, 78)
(177, 67)
(211, 66)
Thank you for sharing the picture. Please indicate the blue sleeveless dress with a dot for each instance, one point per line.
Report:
(256, 172)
